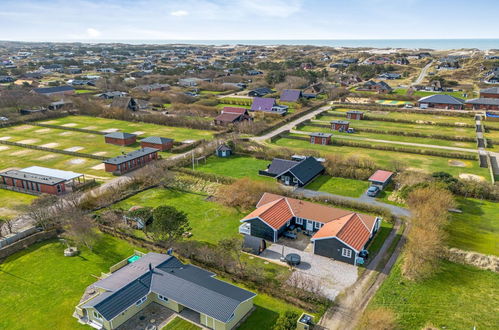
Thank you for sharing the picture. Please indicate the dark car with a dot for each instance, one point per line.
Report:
(372, 191)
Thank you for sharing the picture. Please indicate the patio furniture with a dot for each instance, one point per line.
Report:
(293, 259)
(289, 234)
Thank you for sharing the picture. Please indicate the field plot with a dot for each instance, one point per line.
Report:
(386, 159)
(17, 157)
(102, 124)
(235, 167)
(339, 186)
(457, 297)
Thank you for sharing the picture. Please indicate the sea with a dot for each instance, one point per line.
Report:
(436, 44)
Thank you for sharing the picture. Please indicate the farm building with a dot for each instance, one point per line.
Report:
(290, 95)
(381, 178)
(320, 138)
(223, 150)
(355, 115)
(120, 138)
(55, 91)
(337, 233)
(154, 278)
(232, 115)
(267, 104)
(340, 125)
(40, 180)
(490, 93)
(160, 143)
(294, 173)
(131, 161)
(441, 101)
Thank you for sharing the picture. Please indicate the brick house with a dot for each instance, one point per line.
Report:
(232, 115)
(482, 104)
(320, 138)
(35, 183)
(441, 101)
(490, 93)
(131, 161)
(340, 125)
(160, 143)
(355, 115)
(120, 138)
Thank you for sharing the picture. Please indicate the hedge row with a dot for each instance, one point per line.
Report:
(387, 108)
(71, 128)
(416, 134)
(407, 121)
(59, 151)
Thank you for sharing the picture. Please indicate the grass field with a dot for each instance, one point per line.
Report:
(44, 286)
(458, 297)
(210, 221)
(235, 167)
(385, 159)
(339, 186)
(12, 203)
(21, 157)
(178, 133)
(179, 323)
(403, 91)
(477, 228)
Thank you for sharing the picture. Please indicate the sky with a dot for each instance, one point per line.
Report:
(94, 20)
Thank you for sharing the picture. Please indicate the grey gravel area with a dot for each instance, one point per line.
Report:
(329, 276)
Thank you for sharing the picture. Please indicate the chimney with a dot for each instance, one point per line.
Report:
(150, 267)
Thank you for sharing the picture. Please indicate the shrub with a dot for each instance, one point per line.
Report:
(245, 193)
(286, 321)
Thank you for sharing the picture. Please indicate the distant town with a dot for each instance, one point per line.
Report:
(178, 186)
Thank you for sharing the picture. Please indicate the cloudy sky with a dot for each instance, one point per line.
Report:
(55, 20)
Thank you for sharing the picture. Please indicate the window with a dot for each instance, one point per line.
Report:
(347, 253)
(97, 315)
(160, 297)
(295, 180)
(141, 301)
(299, 221)
(317, 225)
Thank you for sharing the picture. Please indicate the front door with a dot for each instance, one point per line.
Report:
(286, 180)
(310, 225)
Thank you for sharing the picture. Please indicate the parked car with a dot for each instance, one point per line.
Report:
(373, 191)
(4, 119)
(408, 106)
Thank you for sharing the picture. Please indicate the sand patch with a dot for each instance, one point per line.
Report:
(138, 133)
(90, 127)
(50, 145)
(100, 153)
(77, 161)
(28, 141)
(74, 149)
(46, 157)
(4, 138)
(22, 127)
(110, 130)
(457, 163)
(43, 130)
(20, 152)
(49, 122)
(66, 133)
(3, 148)
(70, 125)
(468, 176)
(100, 166)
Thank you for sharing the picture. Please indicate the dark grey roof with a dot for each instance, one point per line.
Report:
(188, 285)
(223, 147)
(441, 99)
(279, 165)
(58, 89)
(342, 122)
(156, 140)
(355, 111)
(306, 170)
(38, 178)
(131, 155)
(317, 134)
(486, 101)
(491, 90)
(120, 135)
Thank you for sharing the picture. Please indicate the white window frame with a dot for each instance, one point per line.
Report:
(295, 180)
(162, 298)
(347, 253)
(317, 225)
(97, 315)
(141, 301)
(299, 221)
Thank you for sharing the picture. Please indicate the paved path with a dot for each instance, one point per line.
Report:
(396, 210)
(394, 142)
(289, 126)
(422, 74)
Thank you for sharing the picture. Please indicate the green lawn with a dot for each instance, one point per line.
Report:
(385, 159)
(379, 239)
(458, 297)
(403, 91)
(85, 91)
(339, 186)
(477, 228)
(234, 166)
(210, 221)
(12, 203)
(40, 287)
(179, 323)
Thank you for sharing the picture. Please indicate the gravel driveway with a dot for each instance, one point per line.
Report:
(331, 276)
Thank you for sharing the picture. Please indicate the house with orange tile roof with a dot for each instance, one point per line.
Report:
(337, 233)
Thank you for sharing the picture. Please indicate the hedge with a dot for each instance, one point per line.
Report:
(377, 107)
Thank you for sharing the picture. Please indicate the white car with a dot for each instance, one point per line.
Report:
(4, 119)
(408, 106)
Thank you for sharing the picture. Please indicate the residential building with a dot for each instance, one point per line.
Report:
(120, 138)
(160, 143)
(260, 92)
(482, 104)
(267, 104)
(290, 95)
(441, 101)
(154, 278)
(232, 115)
(55, 91)
(490, 93)
(292, 172)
